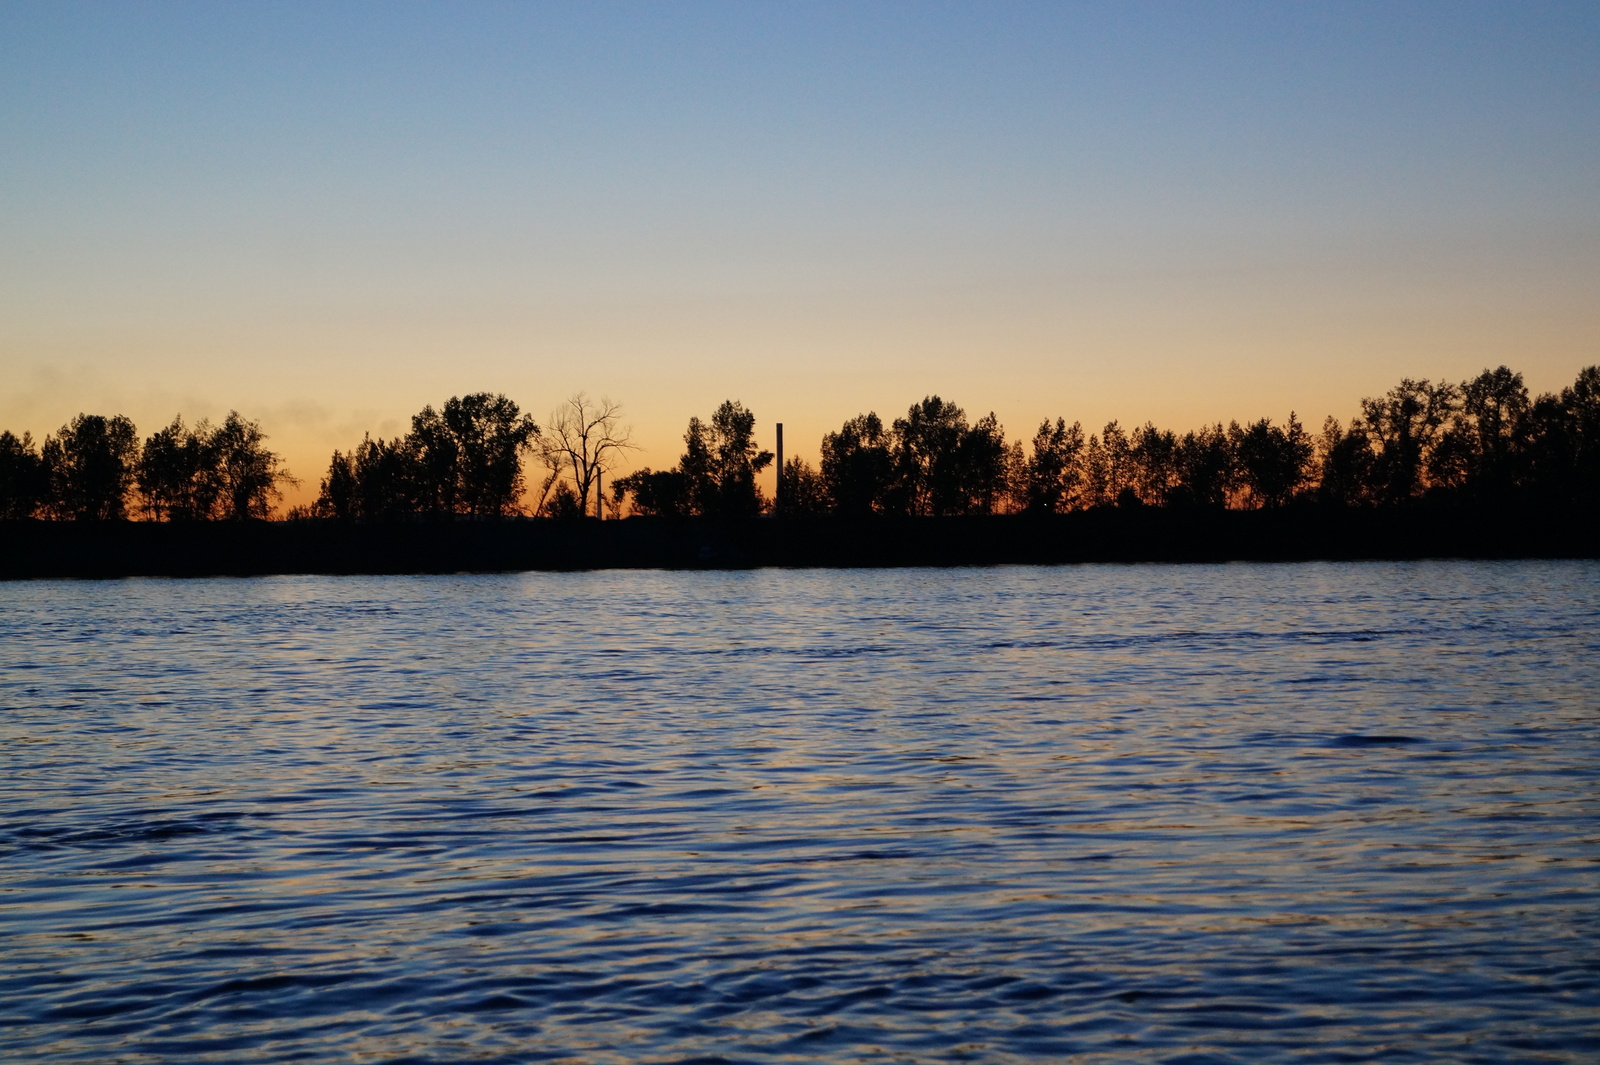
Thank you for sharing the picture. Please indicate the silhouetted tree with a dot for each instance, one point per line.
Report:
(340, 495)
(1015, 497)
(177, 473)
(721, 461)
(90, 465)
(1053, 475)
(803, 489)
(928, 466)
(563, 504)
(1563, 451)
(468, 456)
(1581, 406)
(1345, 461)
(983, 468)
(1107, 466)
(434, 455)
(583, 442)
(1272, 462)
(465, 458)
(716, 477)
(662, 493)
(1404, 425)
(388, 477)
(1206, 468)
(1494, 410)
(377, 481)
(1156, 473)
(247, 474)
(1483, 453)
(858, 466)
(1582, 401)
(24, 483)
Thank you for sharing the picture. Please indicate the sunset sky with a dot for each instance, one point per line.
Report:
(326, 215)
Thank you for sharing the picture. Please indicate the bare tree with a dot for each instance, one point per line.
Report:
(582, 442)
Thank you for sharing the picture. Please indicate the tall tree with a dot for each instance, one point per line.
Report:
(340, 495)
(1153, 455)
(1206, 468)
(1563, 452)
(24, 483)
(490, 435)
(983, 463)
(434, 456)
(1273, 461)
(663, 493)
(1345, 462)
(928, 460)
(583, 442)
(1107, 466)
(90, 465)
(1581, 401)
(177, 473)
(388, 478)
(1053, 475)
(247, 474)
(377, 481)
(857, 467)
(722, 460)
(716, 476)
(1483, 451)
(1404, 424)
(464, 458)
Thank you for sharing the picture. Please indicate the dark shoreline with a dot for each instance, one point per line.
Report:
(38, 549)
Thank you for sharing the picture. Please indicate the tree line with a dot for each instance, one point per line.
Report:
(1484, 441)
(95, 468)
(468, 459)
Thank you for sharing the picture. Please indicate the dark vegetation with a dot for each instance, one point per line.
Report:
(94, 469)
(1484, 442)
(1480, 467)
(463, 459)
(716, 478)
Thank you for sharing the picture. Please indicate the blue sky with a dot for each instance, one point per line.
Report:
(326, 215)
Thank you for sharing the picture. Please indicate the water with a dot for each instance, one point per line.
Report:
(1146, 813)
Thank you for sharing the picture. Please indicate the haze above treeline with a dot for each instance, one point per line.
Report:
(1485, 441)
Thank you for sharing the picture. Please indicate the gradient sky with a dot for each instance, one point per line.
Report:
(328, 214)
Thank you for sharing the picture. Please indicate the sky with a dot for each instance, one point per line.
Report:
(326, 215)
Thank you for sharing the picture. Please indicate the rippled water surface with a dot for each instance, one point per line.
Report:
(1147, 813)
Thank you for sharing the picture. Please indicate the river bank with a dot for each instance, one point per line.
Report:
(36, 549)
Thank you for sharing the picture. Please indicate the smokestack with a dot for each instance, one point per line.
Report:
(777, 496)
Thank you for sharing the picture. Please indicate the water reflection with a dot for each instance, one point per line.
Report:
(1256, 812)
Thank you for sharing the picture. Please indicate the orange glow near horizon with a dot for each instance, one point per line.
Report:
(327, 217)
(318, 390)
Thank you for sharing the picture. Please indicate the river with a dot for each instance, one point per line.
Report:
(1233, 813)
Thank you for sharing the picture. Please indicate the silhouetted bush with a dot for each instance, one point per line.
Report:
(655, 493)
